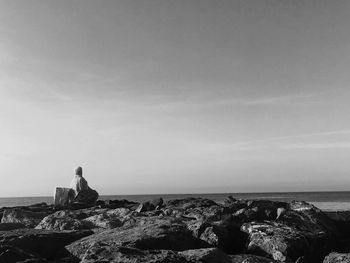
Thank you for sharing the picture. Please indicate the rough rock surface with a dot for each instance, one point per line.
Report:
(337, 258)
(27, 218)
(61, 220)
(189, 230)
(205, 255)
(45, 243)
(276, 240)
(10, 226)
(148, 233)
(10, 254)
(247, 258)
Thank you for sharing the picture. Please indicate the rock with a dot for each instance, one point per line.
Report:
(342, 221)
(144, 207)
(276, 240)
(121, 204)
(147, 233)
(45, 243)
(211, 213)
(256, 210)
(301, 230)
(10, 254)
(86, 212)
(229, 200)
(301, 260)
(10, 226)
(190, 203)
(88, 197)
(225, 235)
(205, 255)
(120, 254)
(61, 220)
(104, 220)
(280, 212)
(157, 202)
(27, 218)
(150, 205)
(337, 258)
(246, 258)
(306, 216)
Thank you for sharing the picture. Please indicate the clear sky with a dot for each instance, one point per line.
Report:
(175, 96)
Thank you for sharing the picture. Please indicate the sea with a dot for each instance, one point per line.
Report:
(327, 201)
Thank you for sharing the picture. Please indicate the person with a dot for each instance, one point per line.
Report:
(79, 183)
(81, 192)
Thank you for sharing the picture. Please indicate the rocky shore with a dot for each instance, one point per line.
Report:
(190, 230)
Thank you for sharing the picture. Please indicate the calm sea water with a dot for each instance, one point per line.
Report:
(328, 201)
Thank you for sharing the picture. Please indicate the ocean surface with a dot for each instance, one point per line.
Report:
(327, 201)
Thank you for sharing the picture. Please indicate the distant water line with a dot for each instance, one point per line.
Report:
(328, 201)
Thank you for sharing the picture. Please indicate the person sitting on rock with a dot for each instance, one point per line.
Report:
(81, 192)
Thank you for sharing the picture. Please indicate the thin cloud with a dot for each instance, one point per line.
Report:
(211, 100)
(317, 146)
(249, 144)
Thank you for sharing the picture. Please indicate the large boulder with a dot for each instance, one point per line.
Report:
(276, 240)
(28, 218)
(10, 254)
(121, 254)
(60, 220)
(307, 217)
(151, 205)
(342, 220)
(146, 233)
(104, 220)
(248, 258)
(337, 258)
(10, 226)
(121, 204)
(254, 210)
(45, 243)
(86, 197)
(190, 202)
(205, 255)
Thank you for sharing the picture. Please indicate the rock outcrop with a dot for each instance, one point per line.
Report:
(190, 230)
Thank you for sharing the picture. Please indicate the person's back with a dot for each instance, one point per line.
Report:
(81, 190)
(79, 183)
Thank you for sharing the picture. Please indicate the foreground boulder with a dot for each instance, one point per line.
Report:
(247, 258)
(254, 210)
(42, 242)
(9, 254)
(156, 203)
(61, 220)
(307, 217)
(149, 233)
(112, 204)
(28, 218)
(205, 255)
(10, 226)
(190, 203)
(122, 254)
(104, 220)
(275, 240)
(337, 258)
(299, 230)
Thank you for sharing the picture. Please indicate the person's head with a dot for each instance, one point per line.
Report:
(79, 171)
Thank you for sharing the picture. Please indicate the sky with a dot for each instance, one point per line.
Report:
(174, 96)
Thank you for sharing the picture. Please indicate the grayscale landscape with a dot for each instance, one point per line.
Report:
(174, 131)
